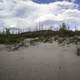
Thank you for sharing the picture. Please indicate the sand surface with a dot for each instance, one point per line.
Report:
(40, 62)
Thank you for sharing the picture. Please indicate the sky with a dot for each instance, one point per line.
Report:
(49, 1)
(32, 13)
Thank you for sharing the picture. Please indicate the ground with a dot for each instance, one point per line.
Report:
(41, 62)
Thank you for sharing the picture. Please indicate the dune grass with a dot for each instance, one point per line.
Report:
(63, 35)
(8, 38)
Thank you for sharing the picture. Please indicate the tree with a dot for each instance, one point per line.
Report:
(7, 31)
(63, 27)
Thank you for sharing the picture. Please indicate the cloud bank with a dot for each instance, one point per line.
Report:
(26, 13)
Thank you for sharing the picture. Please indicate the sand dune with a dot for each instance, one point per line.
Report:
(40, 62)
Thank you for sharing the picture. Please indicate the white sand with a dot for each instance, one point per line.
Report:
(41, 62)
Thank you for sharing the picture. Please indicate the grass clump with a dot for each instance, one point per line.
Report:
(8, 38)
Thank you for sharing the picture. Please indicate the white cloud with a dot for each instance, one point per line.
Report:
(25, 13)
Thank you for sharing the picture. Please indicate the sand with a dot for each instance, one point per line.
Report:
(40, 62)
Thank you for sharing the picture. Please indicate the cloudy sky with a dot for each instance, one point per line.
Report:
(31, 13)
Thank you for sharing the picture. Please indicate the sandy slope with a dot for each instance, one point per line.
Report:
(41, 62)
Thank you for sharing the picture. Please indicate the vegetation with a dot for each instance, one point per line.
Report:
(63, 35)
(8, 38)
